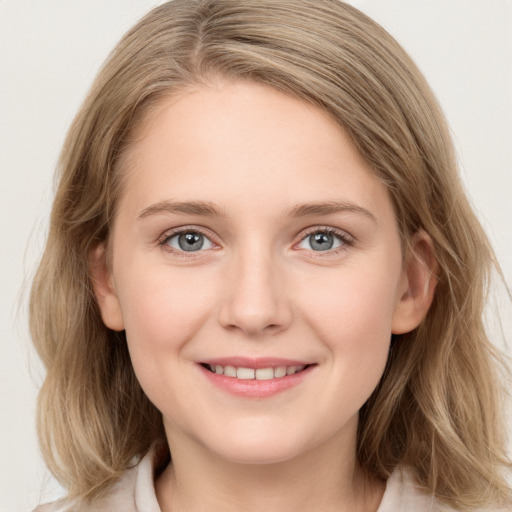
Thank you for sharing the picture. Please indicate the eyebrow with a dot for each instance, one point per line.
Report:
(208, 209)
(201, 208)
(329, 208)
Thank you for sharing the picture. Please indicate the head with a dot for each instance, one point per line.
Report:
(327, 55)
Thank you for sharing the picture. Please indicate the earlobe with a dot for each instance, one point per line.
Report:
(104, 290)
(417, 286)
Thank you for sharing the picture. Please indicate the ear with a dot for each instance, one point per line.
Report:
(417, 284)
(104, 290)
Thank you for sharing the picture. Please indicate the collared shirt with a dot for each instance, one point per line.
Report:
(135, 492)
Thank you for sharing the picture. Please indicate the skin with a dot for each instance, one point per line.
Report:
(257, 288)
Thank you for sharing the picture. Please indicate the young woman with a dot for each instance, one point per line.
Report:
(263, 284)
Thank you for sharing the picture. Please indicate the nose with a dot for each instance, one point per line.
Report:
(255, 298)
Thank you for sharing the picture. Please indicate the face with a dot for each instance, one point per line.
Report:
(257, 270)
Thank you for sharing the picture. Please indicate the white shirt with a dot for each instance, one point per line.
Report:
(135, 492)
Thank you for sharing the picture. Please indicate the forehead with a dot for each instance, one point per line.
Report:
(229, 141)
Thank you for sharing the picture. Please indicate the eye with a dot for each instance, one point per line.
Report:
(188, 241)
(324, 240)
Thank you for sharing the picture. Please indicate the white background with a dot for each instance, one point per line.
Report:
(50, 51)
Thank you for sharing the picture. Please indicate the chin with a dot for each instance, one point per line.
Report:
(259, 447)
(257, 455)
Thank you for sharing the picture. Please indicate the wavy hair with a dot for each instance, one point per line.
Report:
(438, 407)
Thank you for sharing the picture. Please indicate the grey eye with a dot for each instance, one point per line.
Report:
(321, 241)
(189, 241)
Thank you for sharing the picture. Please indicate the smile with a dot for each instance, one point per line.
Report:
(255, 378)
(254, 373)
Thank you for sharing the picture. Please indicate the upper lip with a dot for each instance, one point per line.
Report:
(247, 362)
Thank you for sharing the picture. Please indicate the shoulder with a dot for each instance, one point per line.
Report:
(402, 494)
(134, 492)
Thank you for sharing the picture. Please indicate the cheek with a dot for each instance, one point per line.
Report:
(351, 312)
(162, 311)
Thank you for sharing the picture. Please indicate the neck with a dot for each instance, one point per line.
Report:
(326, 478)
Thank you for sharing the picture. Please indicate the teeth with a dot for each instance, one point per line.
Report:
(280, 371)
(245, 373)
(264, 373)
(230, 371)
(258, 374)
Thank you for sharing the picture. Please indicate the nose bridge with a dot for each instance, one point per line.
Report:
(256, 300)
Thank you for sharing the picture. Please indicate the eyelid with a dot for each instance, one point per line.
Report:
(170, 233)
(346, 238)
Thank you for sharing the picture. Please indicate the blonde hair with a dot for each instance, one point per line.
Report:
(437, 408)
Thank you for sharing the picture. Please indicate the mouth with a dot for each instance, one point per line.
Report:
(256, 378)
(247, 373)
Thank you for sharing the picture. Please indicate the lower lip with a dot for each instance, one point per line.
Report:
(252, 388)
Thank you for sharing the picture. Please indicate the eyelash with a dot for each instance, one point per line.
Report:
(346, 240)
(167, 236)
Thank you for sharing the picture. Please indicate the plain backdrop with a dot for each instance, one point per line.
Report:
(50, 51)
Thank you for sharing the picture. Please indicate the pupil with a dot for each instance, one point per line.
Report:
(322, 241)
(190, 241)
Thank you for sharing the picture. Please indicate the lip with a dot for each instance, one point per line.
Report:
(255, 388)
(248, 362)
